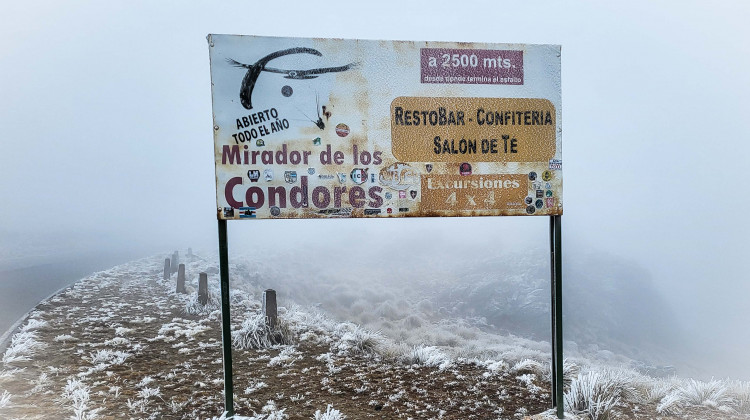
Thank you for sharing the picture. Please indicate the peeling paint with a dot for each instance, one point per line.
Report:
(344, 117)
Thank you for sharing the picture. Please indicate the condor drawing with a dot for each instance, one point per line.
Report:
(254, 70)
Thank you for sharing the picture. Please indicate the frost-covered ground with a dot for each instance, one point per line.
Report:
(123, 344)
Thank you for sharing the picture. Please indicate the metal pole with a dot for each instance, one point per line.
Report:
(559, 318)
(226, 332)
(552, 311)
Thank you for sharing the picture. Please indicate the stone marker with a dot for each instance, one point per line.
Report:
(270, 309)
(203, 288)
(175, 261)
(181, 279)
(167, 269)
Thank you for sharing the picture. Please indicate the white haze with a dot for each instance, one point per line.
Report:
(107, 141)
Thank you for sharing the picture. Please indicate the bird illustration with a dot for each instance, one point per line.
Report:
(254, 71)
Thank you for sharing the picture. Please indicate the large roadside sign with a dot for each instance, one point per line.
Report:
(330, 128)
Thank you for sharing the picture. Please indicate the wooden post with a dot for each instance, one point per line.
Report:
(167, 269)
(203, 289)
(181, 279)
(175, 261)
(270, 310)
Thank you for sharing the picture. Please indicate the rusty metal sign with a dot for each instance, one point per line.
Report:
(327, 128)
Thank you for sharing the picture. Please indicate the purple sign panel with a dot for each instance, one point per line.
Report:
(462, 66)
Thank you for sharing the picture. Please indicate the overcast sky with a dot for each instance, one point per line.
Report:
(106, 123)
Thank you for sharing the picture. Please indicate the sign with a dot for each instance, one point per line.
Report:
(355, 128)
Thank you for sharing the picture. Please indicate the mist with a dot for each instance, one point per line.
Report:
(107, 145)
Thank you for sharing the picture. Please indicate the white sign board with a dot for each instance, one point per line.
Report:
(321, 128)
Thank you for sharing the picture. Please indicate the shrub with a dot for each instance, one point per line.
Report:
(593, 394)
(255, 333)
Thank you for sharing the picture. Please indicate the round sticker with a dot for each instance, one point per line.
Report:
(546, 175)
(287, 91)
(465, 168)
(532, 176)
(342, 130)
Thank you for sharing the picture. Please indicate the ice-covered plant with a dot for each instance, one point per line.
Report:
(529, 366)
(712, 394)
(357, 340)
(330, 414)
(22, 345)
(77, 393)
(428, 356)
(593, 394)
(255, 333)
(740, 392)
(4, 399)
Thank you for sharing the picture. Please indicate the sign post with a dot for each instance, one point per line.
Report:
(339, 128)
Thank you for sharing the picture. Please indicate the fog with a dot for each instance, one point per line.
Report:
(107, 142)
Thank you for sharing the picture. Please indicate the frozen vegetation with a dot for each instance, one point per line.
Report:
(123, 343)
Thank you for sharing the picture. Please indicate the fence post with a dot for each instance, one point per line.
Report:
(270, 310)
(181, 279)
(167, 269)
(175, 261)
(203, 288)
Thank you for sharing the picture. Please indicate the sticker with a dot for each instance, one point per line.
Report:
(550, 202)
(359, 175)
(316, 141)
(275, 211)
(548, 193)
(342, 177)
(413, 194)
(311, 171)
(539, 193)
(402, 194)
(370, 212)
(372, 177)
(327, 176)
(268, 174)
(388, 196)
(342, 130)
(253, 175)
(290, 177)
(428, 166)
(287, 91)
(555, 164)
(530, 209)
(532, 176)
(539, 203)
(403, 209)
(228, 212)
(548, 186)
(337, 212)
(546, 175)
(247, 212)
(389, 210)
(536, 185)
(465, 169)
(260, 142)
(398, 176)
(528, 200)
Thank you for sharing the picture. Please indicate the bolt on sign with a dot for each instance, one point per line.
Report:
(325, 128)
